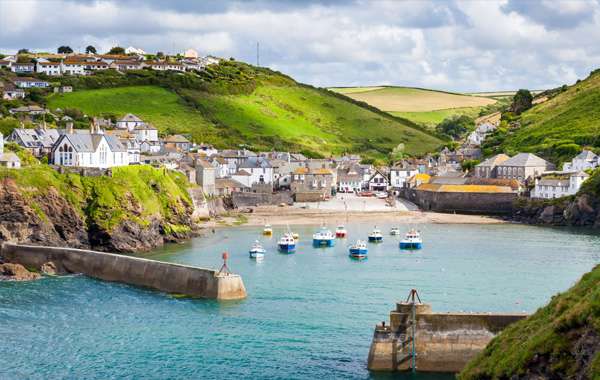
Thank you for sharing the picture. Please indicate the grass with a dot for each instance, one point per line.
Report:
(274, 115)
(432, 118)
(407, 99)
(559, 128)
(134, 193)
(547, 340)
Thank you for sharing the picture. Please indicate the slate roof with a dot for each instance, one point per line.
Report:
(525, 160)
(586, 155)
(223, 183)
(176, 139)
(33, 138)
(87, 142)
(9, 157)
(130, 118)
(494, 160)
(256, 162)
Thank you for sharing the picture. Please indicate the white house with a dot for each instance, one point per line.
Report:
(10, 92)
(134, 50)
(71, 67)
(558, 184)
(8, 160)
(583, 161)
(90, 148)
(350, 178)
(22, 68)
(129, 122)
(30, 83)
(399, 175)
(259, 168)
(48, 68)
(147, 137)
(378, 181)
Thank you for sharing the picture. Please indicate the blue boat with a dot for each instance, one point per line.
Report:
(257, 251)
(375, 236)
(358, 250)
(412, 240)
(287, 243)
(323, 238)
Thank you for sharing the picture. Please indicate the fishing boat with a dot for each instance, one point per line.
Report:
(395, 231)
(268, 230)
(287, 243)
(412, 240)
(257, 251)
(296, 236)
(358, 250)
(340, 232)
(375, 236)
(324, 238)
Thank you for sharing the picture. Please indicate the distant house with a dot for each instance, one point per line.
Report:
(488, 168)
(63, 89)
(28, 110)
(558, 184)
(350, 178)
(38, 141)
(221, 166)
(96, 65)
(26, 82)
(523, 166)
(48, 68)
(129, 141)
(22, 68)
(177, 142)
(259, 168)
(73, 67)
(125, 65)
(90, 148)
(400, 174)
(165, 65)
(11, 92)
(205, 176)
(583, 161)
(129, 122)
(379, 181)
(227, 186)
(8, 159)
(147, 137)
(311, 185)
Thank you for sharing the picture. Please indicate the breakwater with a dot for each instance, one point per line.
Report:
(417, 338)
(166, 277)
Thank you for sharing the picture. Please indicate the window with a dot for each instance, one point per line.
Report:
(102, 155)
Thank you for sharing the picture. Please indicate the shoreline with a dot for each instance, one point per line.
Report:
(275, 215)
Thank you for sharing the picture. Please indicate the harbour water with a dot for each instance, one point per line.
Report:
(308, 315)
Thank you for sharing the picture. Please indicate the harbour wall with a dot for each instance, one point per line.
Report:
(166, 277)
(443, 342)
(462, 202)
(246, 199)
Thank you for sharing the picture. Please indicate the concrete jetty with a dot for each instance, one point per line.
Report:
(432, 342)
(166, 277)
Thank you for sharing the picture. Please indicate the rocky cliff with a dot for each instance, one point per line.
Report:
(135, 209)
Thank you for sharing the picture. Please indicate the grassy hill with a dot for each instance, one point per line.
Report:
(559, 341)
(236, 104)
(423, 106)
(559, 128)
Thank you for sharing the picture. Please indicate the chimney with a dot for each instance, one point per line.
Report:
(69, 128)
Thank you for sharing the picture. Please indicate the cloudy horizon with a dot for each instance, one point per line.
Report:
(447, 45)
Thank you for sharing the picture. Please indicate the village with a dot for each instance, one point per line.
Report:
(435, 182)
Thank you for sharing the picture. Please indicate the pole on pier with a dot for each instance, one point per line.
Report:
(413, 296)
(224, 268)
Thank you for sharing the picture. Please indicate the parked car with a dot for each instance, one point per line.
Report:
(366, 194)
(381, 195)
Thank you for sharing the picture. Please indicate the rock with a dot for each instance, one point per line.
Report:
(16, 272)
(51, 269)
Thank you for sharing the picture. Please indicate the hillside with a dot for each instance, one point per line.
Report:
(557, 129)
(137, 208)
(235, 104)
(559, 341)
(424, 106)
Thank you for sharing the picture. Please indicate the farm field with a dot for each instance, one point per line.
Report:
(432, 118)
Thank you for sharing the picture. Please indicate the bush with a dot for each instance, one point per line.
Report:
(455, 126)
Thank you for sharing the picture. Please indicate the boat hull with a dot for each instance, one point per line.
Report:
(358, 253)
(410, 245)
(375, 239)
(287, 248)
(257, 255)
(340, 234)
(323, 242)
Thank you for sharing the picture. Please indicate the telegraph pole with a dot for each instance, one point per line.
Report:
(257, 54)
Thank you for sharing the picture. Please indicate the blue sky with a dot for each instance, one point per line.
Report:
(451, 45)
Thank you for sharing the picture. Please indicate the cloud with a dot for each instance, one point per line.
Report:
(451, 45)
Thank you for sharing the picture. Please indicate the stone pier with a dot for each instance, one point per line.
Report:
(166, 277)
(443, 342)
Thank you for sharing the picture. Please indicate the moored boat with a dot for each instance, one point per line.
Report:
(296, 236)
(340, 232)
(268, 230)
(358, 250)
(257, 251)
(287, 243)
(395, 231)
(324, 238)
(412, 240)
(375, 236)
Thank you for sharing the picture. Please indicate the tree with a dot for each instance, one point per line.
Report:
(521, 101)
(90, 50)
(160, 54)
(455, 126)
(468, 165)
(117, 50)
(64, 50)
(398, 153)
(23, 51)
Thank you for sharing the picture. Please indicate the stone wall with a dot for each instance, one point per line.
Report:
(166, 277)
(486, 203)
(309, 196)
(244, 199)
(443, 342)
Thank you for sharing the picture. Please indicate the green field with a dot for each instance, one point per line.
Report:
(432, 118)
(559, 128)
(276, 113)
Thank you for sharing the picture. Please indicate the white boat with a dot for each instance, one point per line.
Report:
(412, 240)
(375, 236)
(395, 231)
(359, 250)
(257, 251)
(324, 238)
(287, 243)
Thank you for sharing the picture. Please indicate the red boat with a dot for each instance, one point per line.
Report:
(340, 232)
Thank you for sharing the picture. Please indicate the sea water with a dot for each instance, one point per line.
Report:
(308, 315)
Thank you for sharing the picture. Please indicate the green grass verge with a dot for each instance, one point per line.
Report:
(432, 118)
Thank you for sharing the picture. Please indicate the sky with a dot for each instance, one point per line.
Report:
(450, 45)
